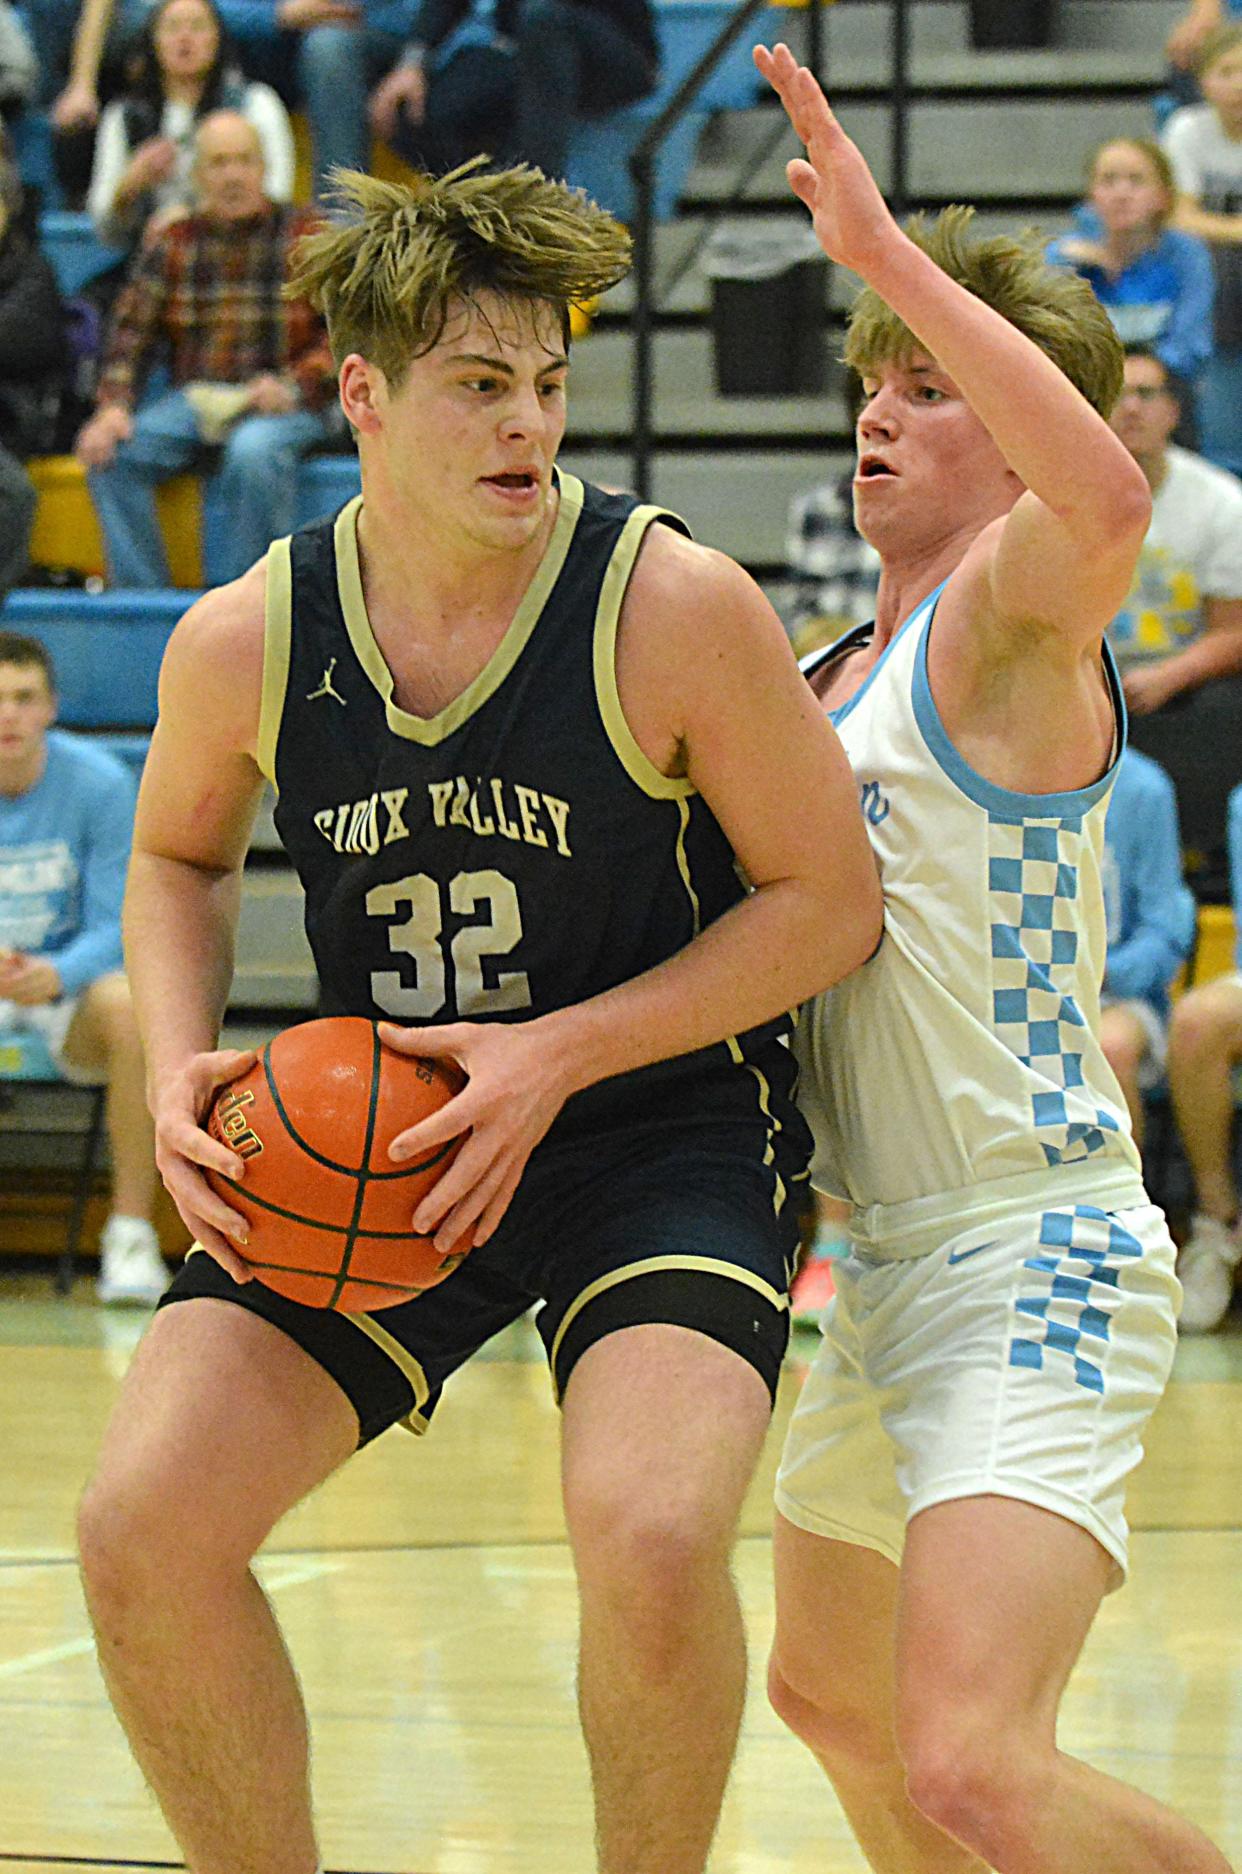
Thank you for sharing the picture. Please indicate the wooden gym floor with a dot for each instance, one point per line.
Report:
(427, 1594)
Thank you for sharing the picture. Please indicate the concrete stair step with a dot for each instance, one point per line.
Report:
(686, 402)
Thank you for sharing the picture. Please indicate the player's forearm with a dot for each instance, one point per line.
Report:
(777, 947)
(179, 924)
(1049, 435)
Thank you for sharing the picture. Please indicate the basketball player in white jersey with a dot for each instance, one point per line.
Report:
(951, 1495)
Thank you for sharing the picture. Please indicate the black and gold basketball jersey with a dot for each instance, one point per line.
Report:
(517, 852)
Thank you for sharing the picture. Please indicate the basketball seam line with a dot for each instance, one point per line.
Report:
(351, 1235)
(332, 1164)
(315, 1223)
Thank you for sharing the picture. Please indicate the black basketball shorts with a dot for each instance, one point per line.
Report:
(692, 1224)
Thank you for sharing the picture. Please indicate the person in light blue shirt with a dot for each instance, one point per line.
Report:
(1157, 282)
(1151, 925)
(66, 820)
(1205, 1052)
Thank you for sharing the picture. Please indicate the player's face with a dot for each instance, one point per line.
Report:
(473, 429)
(927, 468)
(1127, 191)
(27, 710)
(1145, 415)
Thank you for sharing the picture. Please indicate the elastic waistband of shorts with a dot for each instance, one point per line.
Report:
(899, 1232)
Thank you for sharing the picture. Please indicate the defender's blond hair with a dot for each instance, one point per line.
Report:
(1056, 310)
(396, 259)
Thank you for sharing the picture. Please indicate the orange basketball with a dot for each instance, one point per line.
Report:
(330, 1214)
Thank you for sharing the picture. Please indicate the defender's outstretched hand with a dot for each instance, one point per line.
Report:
(852, 222)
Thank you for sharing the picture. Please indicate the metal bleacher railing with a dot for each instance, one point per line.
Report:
(643, 169)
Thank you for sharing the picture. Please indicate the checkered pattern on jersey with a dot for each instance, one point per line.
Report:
(1033, 892)
(1073, 1293)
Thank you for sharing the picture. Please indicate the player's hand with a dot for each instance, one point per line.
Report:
(850, 216)
(1149, 687)
(29, 981)
(183, 1148)
(513, 1092)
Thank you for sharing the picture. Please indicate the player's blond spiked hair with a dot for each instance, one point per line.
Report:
(1056, 310)
(397, 258)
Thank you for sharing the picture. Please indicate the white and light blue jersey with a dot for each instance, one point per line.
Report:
(965, 1051)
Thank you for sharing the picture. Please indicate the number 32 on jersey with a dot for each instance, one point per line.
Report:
(418, 936)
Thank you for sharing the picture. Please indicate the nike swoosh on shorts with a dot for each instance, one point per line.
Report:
(960, 1255)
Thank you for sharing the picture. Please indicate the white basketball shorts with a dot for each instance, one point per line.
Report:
(1019, 1357)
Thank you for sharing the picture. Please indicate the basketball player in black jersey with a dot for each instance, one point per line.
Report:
(529, 742)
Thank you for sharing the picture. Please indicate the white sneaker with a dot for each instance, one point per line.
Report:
(1206, 1266)
(131, 1268)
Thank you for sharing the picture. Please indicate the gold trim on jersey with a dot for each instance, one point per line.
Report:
(683, 862)
(640, 768)
(707, 1265)
(402, 1357)
(430, 730)
(277, 636)
(774, 1126)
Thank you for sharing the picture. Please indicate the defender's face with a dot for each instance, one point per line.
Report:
(471, 432)
(927, 467)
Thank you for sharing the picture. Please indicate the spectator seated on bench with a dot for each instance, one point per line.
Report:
(66, 819)
(258, 384)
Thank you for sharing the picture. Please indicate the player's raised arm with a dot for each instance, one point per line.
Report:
(1063, 557)
(200, 788)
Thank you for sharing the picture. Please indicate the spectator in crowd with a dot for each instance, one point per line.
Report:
(1205, 1051)
(19, 65)
(513, 78)
(833, 571)
(1182, 623)
(66, 818)
(32, 371)
(248, 369)
(1204, 144)
(323, 55)
(1183, 45)
(144, 150)
(1151, 925)
(1156, 281)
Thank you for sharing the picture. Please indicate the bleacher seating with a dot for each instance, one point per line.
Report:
(107, 648)
(600, 150)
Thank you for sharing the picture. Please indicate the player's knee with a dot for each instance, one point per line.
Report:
(138, 1536)
(977, 1783)
(1204, 1023)
(649, 1562)
(121, 1541)
(833, 1727)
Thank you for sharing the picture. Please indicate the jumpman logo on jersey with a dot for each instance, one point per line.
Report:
(326, 688)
